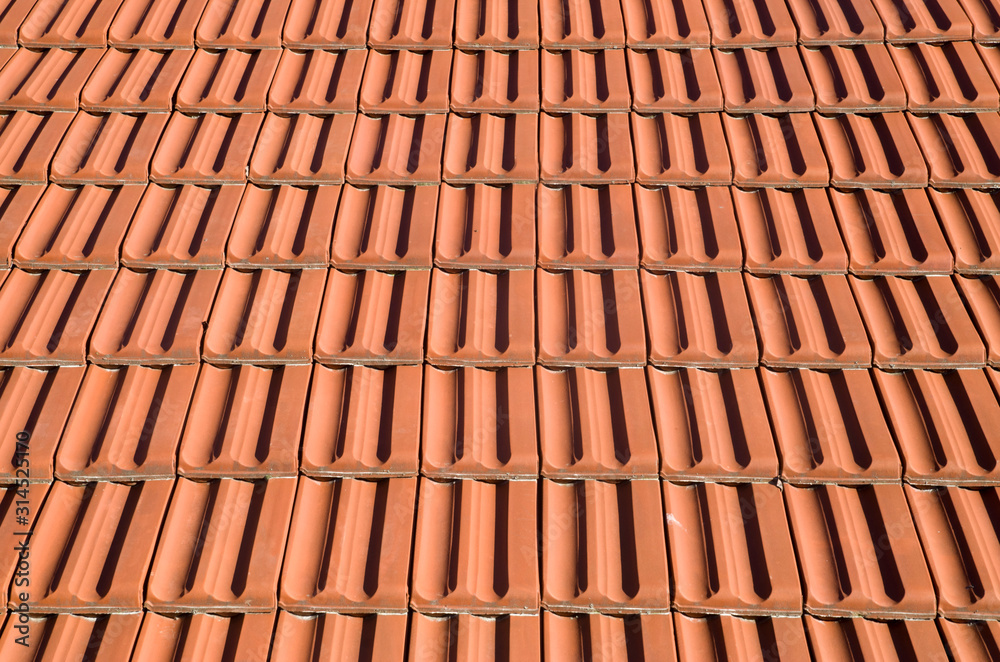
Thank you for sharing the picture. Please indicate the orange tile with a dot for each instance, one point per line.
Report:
(283, 226)
(316, 81)
(496, 24)
(675, 149)
(580, 227)
(133, 81)
(411, 24)
(385, 227)
(205, 149)
(486, 226)
(674, 81)
(301, 149)
(46, 80)
(321, 24)
(161, 24)
(495, 82)
(254, 24)
(409, 82)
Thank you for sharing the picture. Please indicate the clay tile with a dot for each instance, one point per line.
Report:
(808, 322)
(80, 227)
(781, 150)
(411, 24)
(479, 423)
(126, 424)
(70, 637)
(37, 402)
(738, 24)
(50, 315)
(688, 229)
(323, 24)
(985, 18)
(373, 317)
(46, 80)
(614, 440)
(971, 220)
(739, 639)
(791, 231)
(396, 149)
(681, 149)
(674, 81)
(847, 22)
(283, 226)
(205, 637)
(962, 553)
(919, 323)
(302, 149)
(107, 149)
(14, 13)
(479, 318)
(363, 421)
(482, 226)
(592, 318)
(181, 227)
(874, 151)
(584, 81)
(221, 545)
(232, 24)
(609, 638)
(468, 637)
(938, 419)
(496, 24)
(134, 81)
(156, 24)
(859, 552)
(983, 299)
(945, 78)
(227, 81)
(16, 205)
(848, 79)
(892, 233)
(495, 82)
(923, 20)
(491, 148)
(98, 540)
(829, 427)
(349, 546)
(316, 81)
(971, 641)
(586, 149)
(55, 23)
(581, 24)
(587, 228)
(712, 425)
(301, 638)
(767, 80)
(611, 531)
(205, 149)
(960, 150)
(406, 82)
(698, 320)
(456, 521)
(990, 54)
(862, 639)
(252, 318)
(154, 317)
(665, 24)
(384, 227)
(15, 530)
(27, 143)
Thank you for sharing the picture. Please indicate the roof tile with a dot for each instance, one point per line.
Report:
(9, 554)
(764, 80)
(739, 639)
(107, 149)
(581, 24)
(587, 228)
(960, 150)
(606, 637)
(971, 220)
(55, 23)
(985, 18)
(233, 24)
(302, 149)
(945, 78)
(495, 82)
(983, 299)
(584, 81)
(415, 24)
(872, 151)
(16, 205)
(491, 148)
(406, 82)
(283, 226)
(737, 25)
(299, 637)
(923, 20)
(133, 81)
(70, 636)
(316, 81)
(847, 22)
(850, 79)
(496, 24)
(781, 150)
(586, 149)
(971, 639)
(323, 24)
(206, 637)
(46, 80)
(674, 81)
(385, 227)
(675, 149)
(396, 149)
(15, 11)
(156, 24)
(27, 143)
(484, 226)
(227, 81)
(666, 24)
(468, 637)
(843, 639)
(205, 149)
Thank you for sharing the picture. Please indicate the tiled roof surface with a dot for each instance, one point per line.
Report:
(500, 329)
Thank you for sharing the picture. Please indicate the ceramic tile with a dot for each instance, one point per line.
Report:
(674, 81)
(580, 227)
(412, 82)
(157, 24)
(301, 149)
(227, 81)
(316, 82)
(323, 24)
(495, 82)
(385, 227)
(675, 149)
(486, 226)
(491, 149)
(235, 24)
(585, 149)
(134, 81)
(584, 81)
(46, 80)
(496, 24)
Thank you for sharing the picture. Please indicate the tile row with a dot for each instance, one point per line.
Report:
(865, 232)
(888, 150)
(504, 24)
(849, 427)
(868, 78)
(349, 545)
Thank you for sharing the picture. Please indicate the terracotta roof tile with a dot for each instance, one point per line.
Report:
(990, 54)
(126, 423)
(923, 20)
(665, 24)
(858, 638)
(584, 81)
(586, 149)
(233, 24)
(606, 637)
(396, 149)
(789, 231)
(50, 315)
(764, 80)
(27, 143)
(479, 423)
(581, 24)
(712, 425)
(220, 546)
(859, 552)
(983, 299)
(55, 23)
(675, 149)
(9, 554)
(69, 636)
(945, 78)
(181, 227)
(738, 638)
(301, 149)
(971, 221)
(46, 80)
(132, 81)
(782, 150)
(414, 24)
(688, 229)
(674, 81)
(373, 317)
(283, 226)
(595, 424)
(107, 149)
(854, 79)
(316, 81)
(13, 15)
(340, 527)
(971, 639)
(960, 150)
(496, 24)
(363, 421)
(587, 228)
(473, 318)
(324, 24)
(985, 18)
(208, 637)
(299, 637)
(227, 81)
(612, 531)
(737, 25)
(156, 23)
(467, 637)
(484, 226)
(205, 149)
(495, 82)
(406, 82)
(872, 151)
(845, 22)
(252, 319)
(16, 205)
(385, 227)
(491, 148)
